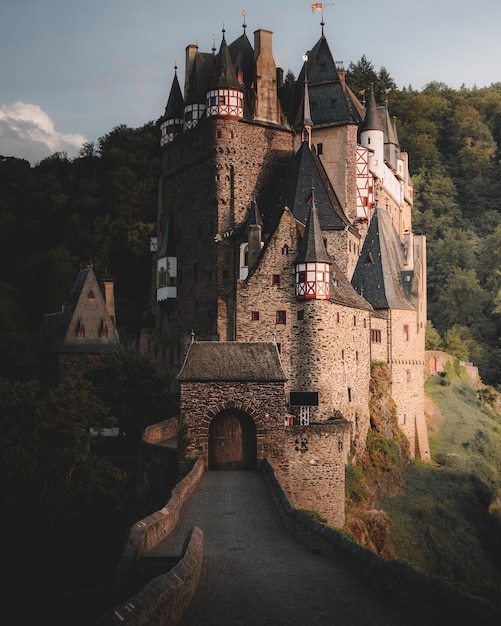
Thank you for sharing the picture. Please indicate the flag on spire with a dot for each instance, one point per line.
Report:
(316, 6)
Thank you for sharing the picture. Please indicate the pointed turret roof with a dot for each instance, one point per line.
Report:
(224, 75)
(380, 275)
(313, 247)
(372, 120)
(175, 105)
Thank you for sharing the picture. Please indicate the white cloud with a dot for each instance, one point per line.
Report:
(27, 132)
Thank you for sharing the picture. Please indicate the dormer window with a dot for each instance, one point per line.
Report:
(91, 295)
(103, 329)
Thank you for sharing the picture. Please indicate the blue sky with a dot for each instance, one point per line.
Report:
(70, 70)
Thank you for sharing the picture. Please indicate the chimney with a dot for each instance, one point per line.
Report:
(191, 52)
(109, 299)
(267, 106)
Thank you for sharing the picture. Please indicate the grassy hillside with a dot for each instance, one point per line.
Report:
(447, 520)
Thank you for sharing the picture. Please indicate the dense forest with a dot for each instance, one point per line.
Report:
(101, 206)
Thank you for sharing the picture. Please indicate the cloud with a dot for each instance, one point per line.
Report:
(27, 132)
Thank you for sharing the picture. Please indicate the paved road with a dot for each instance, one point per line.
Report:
(256, 574)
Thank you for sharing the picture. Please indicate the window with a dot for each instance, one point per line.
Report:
(300, 315)
(354, 320)
(375, 336)
(91, 295)
(337, 317)
(219, 134)
(279, 348)
(255, 316)
(280, 317)
(406, 332)
(301, 276)
(349, 394)
(320, 148)
(275, 280)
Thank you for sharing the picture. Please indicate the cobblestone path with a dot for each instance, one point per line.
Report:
(256, 574)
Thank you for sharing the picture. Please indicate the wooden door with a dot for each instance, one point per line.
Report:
(232, 442)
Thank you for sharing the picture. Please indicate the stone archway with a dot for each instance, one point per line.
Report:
(232, 441)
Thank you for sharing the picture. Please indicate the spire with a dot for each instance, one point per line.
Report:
(175, 105)
(307, 121)
(372, 120)
(224, 76)
(171, 123)
(312, 247)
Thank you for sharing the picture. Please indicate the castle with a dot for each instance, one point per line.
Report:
(285, 263)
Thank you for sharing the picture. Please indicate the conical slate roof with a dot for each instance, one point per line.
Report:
(174, 109)
(312, 247)
(372, 120)
(380, 275)
(224, 76)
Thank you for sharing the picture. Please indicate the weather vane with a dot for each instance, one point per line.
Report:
(319, 6)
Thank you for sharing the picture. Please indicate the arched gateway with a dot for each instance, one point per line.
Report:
(233, 403)
(232, 441)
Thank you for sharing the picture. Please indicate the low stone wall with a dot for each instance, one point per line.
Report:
(436, 601)
(149, 531)
(164, 600)
(162, 431)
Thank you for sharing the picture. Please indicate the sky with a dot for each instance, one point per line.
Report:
(70, 71)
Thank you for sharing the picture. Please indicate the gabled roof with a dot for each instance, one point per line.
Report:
(380, 274)
(84, 308)
(232, 361)
(306, 171)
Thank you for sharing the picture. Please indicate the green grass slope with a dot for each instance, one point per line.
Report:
(447, 520)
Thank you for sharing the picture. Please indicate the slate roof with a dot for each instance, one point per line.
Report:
(224, 75)
(232, 361)
(329, 102)
(174, 109)
(372, 120)
(380, 275)
(312, 247)
(304, 173)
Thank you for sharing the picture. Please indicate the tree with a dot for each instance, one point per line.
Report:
(128, 384)
(433, 341)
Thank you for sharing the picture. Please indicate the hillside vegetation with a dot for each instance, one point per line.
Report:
(444, 518)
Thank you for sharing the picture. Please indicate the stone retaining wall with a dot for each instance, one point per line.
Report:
(164, 600)
(149, 531)
(436, 601)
